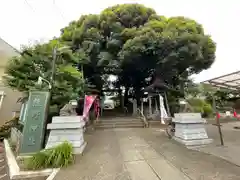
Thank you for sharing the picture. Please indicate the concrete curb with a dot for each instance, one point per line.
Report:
(16, 173)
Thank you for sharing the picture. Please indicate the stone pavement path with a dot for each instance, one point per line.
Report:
(196, 165)
(140, 154)
(230, 150)
(101, 160)
(142, 160)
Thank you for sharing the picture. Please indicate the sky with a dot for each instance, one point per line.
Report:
(25, 22)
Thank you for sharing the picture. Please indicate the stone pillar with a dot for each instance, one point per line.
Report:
(142, 110)
(67, 128)
(150, 105)
(156, 106)
(134, 107)
(190, 130)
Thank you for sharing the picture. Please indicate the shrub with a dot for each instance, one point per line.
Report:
(59, 156)
(195, 102)
(197, 109)
(201, 106)
(5, 129)
(207, 110)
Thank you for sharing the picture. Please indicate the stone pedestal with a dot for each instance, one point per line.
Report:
(134, 107)
(67, 128)
(190, 130)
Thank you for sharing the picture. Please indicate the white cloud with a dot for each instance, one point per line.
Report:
(25, 21)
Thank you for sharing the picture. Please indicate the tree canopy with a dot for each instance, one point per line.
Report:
(134, 42)
(22, 72)
(130, 41)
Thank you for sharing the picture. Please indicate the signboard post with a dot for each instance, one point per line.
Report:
(34, 122)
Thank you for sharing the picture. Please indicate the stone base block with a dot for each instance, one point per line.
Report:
(67, 128)
(188, 118)
(193, 142)
(79, 150)
(190, 131)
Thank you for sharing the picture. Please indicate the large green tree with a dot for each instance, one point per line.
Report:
(128, 40)
(175, 48)
(133, 42)
(99, 38)
(22, 72)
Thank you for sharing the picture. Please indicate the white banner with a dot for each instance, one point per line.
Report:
(163, 111)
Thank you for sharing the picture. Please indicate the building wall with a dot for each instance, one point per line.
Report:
(6, 52)
(1, 73)
(8, 104)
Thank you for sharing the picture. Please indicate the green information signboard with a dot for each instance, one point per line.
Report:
(34, 122)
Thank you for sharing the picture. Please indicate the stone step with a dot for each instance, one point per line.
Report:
(124, 123)
(154, 122)
(119, 119)
(107, 126)
(119, 122)
(157, 124)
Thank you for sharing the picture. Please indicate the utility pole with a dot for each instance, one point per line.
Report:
(53, 65)
(82, 71)
(217, 120)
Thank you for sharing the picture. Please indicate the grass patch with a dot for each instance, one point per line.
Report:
(56, 157)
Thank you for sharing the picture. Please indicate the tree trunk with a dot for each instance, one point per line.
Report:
(120, 97)
(126, 96)
(138, 95)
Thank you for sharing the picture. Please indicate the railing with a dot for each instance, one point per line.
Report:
(143, 117)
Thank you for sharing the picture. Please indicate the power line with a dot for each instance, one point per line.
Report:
(54, 5)
(59, 11)
(29, 5)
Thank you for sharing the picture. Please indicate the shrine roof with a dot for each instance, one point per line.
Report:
(229, 81)
(157, 84)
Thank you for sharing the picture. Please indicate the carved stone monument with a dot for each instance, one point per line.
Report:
(34, 122)
(190, 130)
(67, 128)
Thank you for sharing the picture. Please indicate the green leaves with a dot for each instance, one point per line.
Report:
(128, 40)
(70, 70)
(56, 157)
(22, 72)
